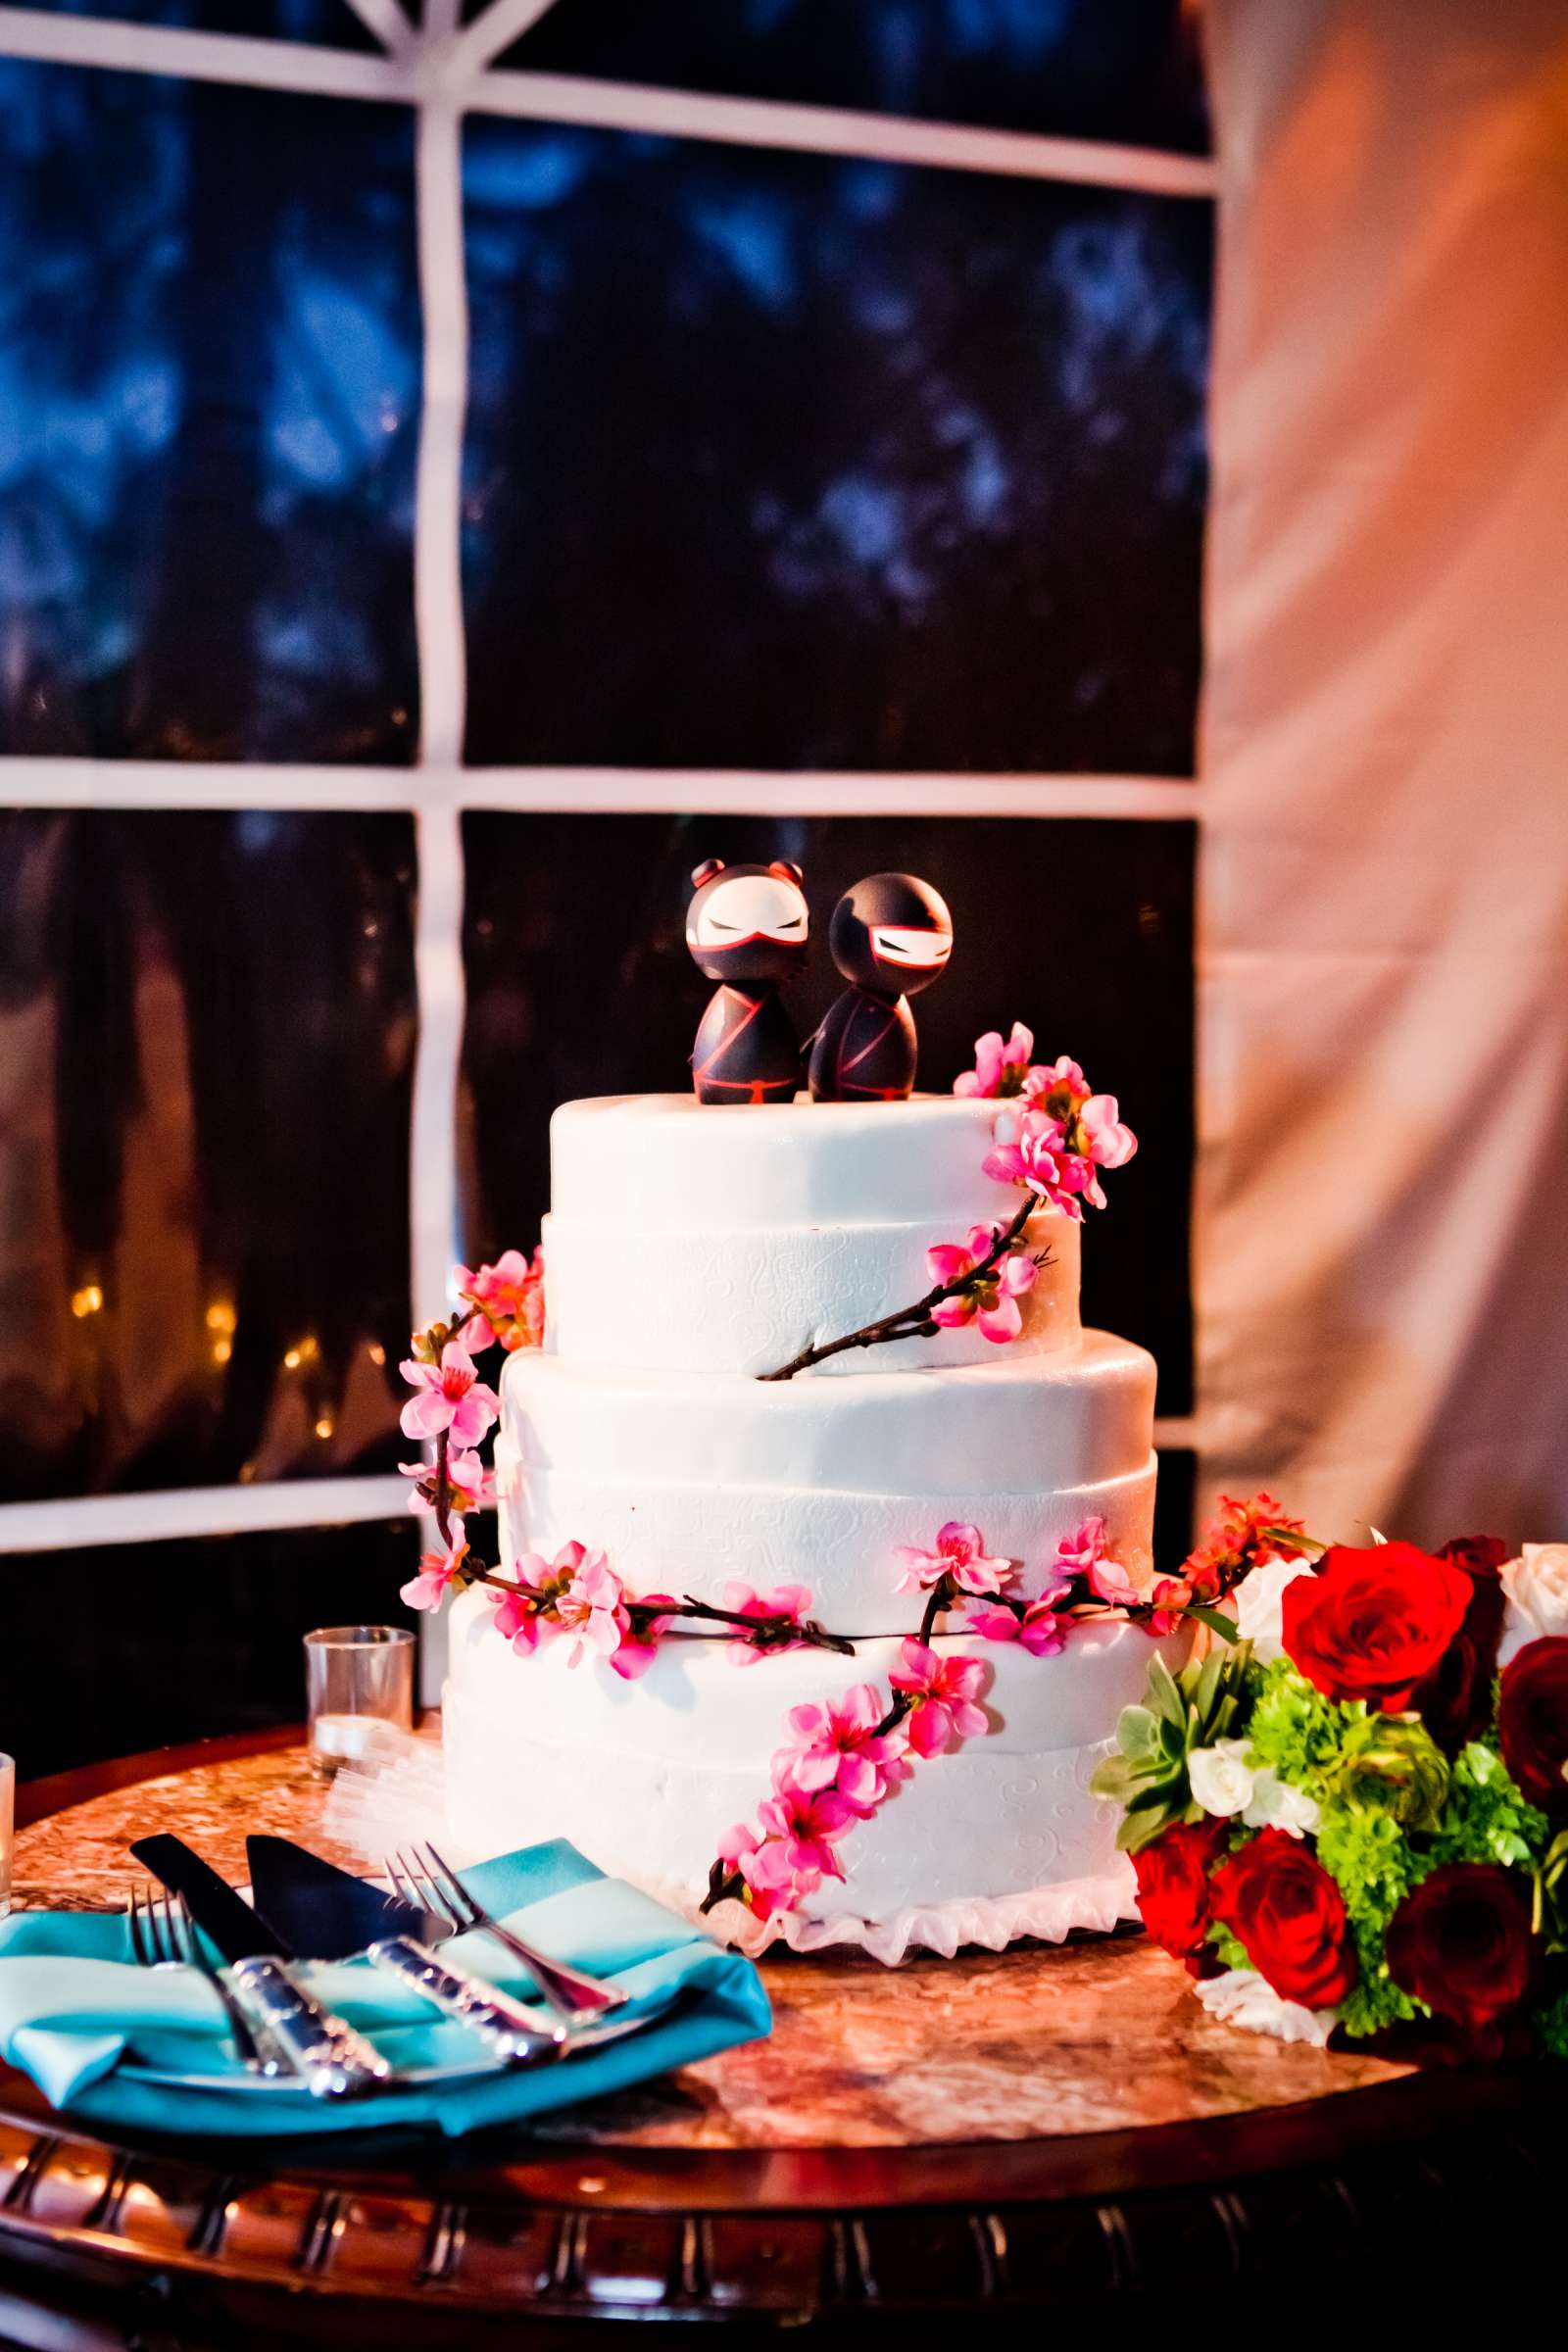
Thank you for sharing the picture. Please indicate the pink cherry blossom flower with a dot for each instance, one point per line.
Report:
(450, 1396)
(1085, 1554)
(960, 1554)
(787, 1602)
(526, 1613)
(994, 1299)
(439, 1572)
(472, 1487)
(1058, 1087)
(1111, 1144)
(838, 1746)
(807, 1822)
(998, 1068)
(507, 1299)
(1039, 1631)
(944, 1693)
(593, 1609)
(763, 1866)
(1027, 1151)
(639, 1643)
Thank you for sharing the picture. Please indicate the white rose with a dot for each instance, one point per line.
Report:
(1241, 1997)
(1537, 1587)
(1275, 1805)
(1259, 1618)
(1220, 1776)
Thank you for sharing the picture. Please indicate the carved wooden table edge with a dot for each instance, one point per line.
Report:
(105, 2244)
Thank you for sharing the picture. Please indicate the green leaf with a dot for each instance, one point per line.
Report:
(1215, 1619)
(1138, 1733)
(1114, 1779)
(1163, 1695)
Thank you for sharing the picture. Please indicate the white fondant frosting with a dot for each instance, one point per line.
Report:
(659, 1161)
(697, 1534)
(1021, 1425)
(747, 1298)
(647, 1776)
(688, 1249)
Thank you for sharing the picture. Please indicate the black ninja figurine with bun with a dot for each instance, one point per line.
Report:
(746, 928)
(890, 936)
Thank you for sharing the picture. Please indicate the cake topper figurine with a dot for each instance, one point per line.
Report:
(891, 935)
(746, 928)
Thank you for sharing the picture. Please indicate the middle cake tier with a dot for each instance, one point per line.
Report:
(689, 1480)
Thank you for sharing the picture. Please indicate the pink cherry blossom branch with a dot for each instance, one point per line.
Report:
(916, 1322)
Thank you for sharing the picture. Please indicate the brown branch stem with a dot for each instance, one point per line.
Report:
(915, 1322)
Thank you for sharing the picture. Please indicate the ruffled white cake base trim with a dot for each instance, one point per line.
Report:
(397, 1792)
(1049, 1913)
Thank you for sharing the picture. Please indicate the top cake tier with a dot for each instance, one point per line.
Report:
(686, 1236)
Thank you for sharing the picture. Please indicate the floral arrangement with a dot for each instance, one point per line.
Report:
(1354, 1819)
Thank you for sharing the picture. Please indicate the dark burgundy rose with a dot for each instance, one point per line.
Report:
(1173, 1887)
(1454, 1700)
(1460, 1941)
(1373, 1624)
(1533, 1719)
(1478, 1555)
(1289, 1917)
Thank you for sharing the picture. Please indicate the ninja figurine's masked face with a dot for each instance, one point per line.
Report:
(892, 933)
(748, 923)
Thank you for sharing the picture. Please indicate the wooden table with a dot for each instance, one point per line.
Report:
(1043, 2133)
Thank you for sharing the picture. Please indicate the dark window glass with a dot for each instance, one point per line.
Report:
(208, 399)
(332, 22)
(1175, 1500)
(207, 1028)
(788, 462)
(181, 1641)
(579, 983)
(1123, 69)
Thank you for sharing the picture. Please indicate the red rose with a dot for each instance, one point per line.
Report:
(1289, 1916)
(1173, 1886)
(1533, 1719)
(1479, 1556)
(1373, 1624)
(1454, 1700)
(1460, 1941)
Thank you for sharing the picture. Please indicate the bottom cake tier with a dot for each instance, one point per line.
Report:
(997, 1840)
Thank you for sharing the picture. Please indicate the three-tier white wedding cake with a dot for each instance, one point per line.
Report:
(689, 1250)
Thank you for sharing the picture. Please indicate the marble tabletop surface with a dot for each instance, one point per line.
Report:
(1039, 2040)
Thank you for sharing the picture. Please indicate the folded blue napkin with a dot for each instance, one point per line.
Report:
(88, 2024)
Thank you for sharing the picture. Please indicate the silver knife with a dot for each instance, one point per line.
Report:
(328, 1914)
(332, 2059)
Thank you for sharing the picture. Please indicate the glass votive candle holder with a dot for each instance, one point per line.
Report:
(8, 1828)
(356, 1679)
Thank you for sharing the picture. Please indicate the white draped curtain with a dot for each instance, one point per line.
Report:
(1383, 1195)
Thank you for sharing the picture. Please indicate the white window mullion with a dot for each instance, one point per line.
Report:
(190, 55)
(68, 1521)
(577, 99)
(387, 22)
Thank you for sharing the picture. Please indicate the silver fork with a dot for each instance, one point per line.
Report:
(162, 1936)
(420, 1876)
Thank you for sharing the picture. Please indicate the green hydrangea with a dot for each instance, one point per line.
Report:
(1296, 1730)
(1370, 1856)
(1486, 1818)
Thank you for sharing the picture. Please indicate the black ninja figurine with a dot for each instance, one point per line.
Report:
(891, 935)
(746, 928)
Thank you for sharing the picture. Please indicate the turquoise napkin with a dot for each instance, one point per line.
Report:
(79, 2017)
